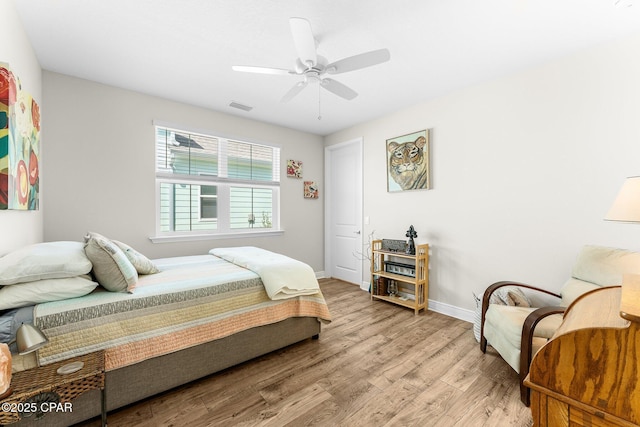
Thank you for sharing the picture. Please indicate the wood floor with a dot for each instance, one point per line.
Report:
(376, 364)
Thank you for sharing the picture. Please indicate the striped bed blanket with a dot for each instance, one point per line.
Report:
(191, 301)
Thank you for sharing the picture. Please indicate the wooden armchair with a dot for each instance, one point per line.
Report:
(527, 318)
(517, 333)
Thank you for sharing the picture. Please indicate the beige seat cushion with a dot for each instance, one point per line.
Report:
(573, 288)
(512, 318)
(503, 330)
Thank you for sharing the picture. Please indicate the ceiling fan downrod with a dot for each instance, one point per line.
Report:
(319, 111)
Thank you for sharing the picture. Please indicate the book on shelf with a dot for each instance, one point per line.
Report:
(379, 286)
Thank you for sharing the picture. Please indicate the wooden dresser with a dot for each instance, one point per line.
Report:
(589, 373)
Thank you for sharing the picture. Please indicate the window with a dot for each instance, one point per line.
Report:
(214, 185)
(208, 203)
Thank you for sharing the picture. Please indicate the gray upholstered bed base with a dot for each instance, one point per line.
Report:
(136, 382)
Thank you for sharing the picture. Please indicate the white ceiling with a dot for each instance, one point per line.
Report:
(184, 49)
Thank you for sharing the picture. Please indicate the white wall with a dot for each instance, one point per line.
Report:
(101, 169)
(523, 169)
(21, 228)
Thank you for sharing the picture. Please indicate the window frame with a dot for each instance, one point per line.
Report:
(223, 184)
(202, 197)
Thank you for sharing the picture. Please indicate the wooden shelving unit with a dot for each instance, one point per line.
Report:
(413, 292)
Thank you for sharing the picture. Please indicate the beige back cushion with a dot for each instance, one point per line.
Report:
(599, 266)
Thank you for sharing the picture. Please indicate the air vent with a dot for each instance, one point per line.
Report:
(240, 106)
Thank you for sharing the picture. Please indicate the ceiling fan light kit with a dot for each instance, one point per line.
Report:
(312, 67)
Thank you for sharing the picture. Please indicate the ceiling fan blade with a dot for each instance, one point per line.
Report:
(357, 62)
(338, 89)
(262, 70)
(304, 41)
(296, 89)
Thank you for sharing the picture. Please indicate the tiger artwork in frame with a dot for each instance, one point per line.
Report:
(408, 165)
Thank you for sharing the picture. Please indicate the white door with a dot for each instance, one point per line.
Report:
(343, 211)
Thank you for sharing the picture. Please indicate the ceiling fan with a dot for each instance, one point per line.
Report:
(313, 67)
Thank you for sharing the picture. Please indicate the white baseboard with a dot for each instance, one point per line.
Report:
(451, 310)
(441, 307)
(320, 275)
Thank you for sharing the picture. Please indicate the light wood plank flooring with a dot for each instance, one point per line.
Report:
(376, 364)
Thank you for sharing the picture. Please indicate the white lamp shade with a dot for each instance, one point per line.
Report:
(626, 207)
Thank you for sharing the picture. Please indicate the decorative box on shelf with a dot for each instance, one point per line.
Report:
(398, 277)
(400, 268)
(391, 245)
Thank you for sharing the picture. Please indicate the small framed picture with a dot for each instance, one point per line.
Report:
(294, 168)
(310, 190)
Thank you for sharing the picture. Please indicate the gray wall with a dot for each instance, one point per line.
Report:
(101, 153)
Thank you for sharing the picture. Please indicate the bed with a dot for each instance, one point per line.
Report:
(191, 317)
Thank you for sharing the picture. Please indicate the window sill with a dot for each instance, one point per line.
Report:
(195, 237)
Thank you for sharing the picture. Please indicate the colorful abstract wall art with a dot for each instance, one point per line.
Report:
(19, 145)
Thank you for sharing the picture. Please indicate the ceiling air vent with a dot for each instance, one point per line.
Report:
(240, 106)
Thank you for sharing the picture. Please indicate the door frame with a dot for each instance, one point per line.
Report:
(328, 244)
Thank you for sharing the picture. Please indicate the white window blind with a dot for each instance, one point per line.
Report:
(209, 184)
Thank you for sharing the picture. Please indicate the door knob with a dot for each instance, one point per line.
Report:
(357, 232)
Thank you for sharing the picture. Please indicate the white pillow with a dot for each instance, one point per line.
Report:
(112, 268)
(24, 294)
(52, 260)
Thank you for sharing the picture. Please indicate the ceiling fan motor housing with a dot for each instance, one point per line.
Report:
(318, 68)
